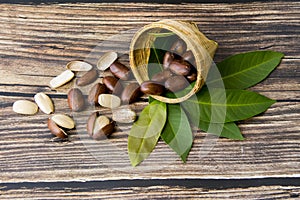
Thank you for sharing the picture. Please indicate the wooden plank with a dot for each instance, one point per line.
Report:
(38, 40)
(151, 192)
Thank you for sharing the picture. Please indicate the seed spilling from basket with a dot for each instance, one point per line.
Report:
(178, 68)
(172, 54)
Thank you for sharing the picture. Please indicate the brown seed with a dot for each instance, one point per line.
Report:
(55, 129)
(95, 91)
(189, 57)
(178, 47)
(113, 84)
(168, 58)
(76, 99)
(176, 83)
(152, 88)
(104, 132)
(99, 126)
(162, 76)
(180, 68)
(120, 71)
(192, 77)
(87, 78)
(90, 123)
(131, 93)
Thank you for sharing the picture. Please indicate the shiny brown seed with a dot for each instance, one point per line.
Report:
(192, 77)
(189, 57)
(55, 129)
(88, 78)
(178, 47)
(176, 83)
(152, 88)
(131, 93)
(104, 132)
(120, 71)
(76, 99)
(168, 58)
(94, 93)
(162, 76)
(180, 68)
(90, 123)
(113, 84)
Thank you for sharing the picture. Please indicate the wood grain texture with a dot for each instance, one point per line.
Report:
(36, 42)
(154, 192)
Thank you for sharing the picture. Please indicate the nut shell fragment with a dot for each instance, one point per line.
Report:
(55, 130)
(105, 131)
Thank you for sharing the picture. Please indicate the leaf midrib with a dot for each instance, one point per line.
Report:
(143, 139)
(243, 71)
(231, 105)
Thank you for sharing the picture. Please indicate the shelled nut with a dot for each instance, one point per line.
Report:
(44, 102)
(25, 107)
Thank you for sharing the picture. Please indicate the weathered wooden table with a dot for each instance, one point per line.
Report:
(38, 40)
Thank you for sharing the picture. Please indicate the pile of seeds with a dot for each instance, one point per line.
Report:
(114, 90)
(111, 93)
(178, 71)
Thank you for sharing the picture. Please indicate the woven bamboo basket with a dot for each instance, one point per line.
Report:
(202, 48)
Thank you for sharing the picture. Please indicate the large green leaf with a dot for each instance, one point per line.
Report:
(177, 132)
(244, 70)
(228, 130)
(239, 105)
(145, 131)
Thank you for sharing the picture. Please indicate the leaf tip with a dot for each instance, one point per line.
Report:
(241, 138)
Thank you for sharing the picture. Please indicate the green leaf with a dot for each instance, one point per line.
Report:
(157, 52)
(244, 70)
(238, 105)
(177, 132)
(228, 130)
(145, 131)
